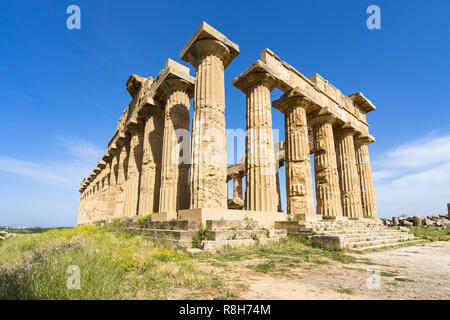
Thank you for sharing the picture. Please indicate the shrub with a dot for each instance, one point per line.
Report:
(147, 217)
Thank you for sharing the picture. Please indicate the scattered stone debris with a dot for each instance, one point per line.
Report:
(6, 235)
(440, 221)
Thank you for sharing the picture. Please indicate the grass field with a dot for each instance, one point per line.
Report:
(112, 264)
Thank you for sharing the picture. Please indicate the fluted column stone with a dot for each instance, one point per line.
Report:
(348, 173)
(325, 167)
(124, 147)
(261, 192)
(175, 173)
(150, 180)
(209, 52)
(368, 202)
(299, 186)
(134, 169)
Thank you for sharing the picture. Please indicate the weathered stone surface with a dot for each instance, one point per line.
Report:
(348, 174)
(138, 174)
(176, 88)
(260, 162)
(299, 187)
(395, 221)
(369, 207)
(209, 52)
(325, 168)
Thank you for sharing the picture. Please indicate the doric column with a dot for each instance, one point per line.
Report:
(124, 146)
(136, 132)
(151, 162)
(279, 207)
(299, 186)
(259, 159)
(325, 167)
(177, 92)
(369, 206)
(209, 52)
(348, 173)
(237, 202)
(237, 188)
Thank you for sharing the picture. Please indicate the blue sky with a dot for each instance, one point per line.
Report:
(62, 90)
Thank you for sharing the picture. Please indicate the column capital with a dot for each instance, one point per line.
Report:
(253, 76)
(208, 41)
(361, 139)
(323, 118)
(134, 83)
(106, 157)
(292, 98)
(348, 128)
(101, 164)
(174, 77)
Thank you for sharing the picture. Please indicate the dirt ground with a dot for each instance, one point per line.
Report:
(416, 272)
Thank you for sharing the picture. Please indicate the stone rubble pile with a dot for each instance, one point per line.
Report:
(418, 221)
(6, 235)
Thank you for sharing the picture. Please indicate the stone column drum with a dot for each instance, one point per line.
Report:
(175, 174)
(325, 167)
(134, 169)
(150, 180)
(209, 52)
(299, 186)
(261, 192)
(369, 207)
(124, 147)
(348, 173)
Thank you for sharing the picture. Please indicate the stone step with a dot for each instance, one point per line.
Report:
(362, 244)
(188, 225)
(386, 245)
(181, 243)
(182, 235)
(212, 246)
(216, 225)
(373, 238)
(247, 234)
(371, 234)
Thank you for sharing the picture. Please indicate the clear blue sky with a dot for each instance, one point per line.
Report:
(62, 90)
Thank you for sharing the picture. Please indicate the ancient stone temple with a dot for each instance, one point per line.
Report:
(160, 161)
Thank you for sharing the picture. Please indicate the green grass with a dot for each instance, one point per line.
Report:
(113, 265)
(403, 280)
(345, 290)
(431, 233)
(291, 252)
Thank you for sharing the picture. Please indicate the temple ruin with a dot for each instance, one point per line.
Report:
(141, 172)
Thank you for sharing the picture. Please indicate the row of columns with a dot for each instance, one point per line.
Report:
(343, 176)
(145, 175)
(149, 177)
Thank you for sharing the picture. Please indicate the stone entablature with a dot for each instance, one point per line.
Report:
(150, 167)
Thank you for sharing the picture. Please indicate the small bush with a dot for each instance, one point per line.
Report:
(201, 235)
(147, 217)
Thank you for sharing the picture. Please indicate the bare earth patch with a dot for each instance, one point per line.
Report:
(416, 272)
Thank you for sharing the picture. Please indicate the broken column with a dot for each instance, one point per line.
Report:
(348, 173)
(210, 52)
(299, 186)
(261, 193)
(368, 202)
(325, 167)
(175, 87)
